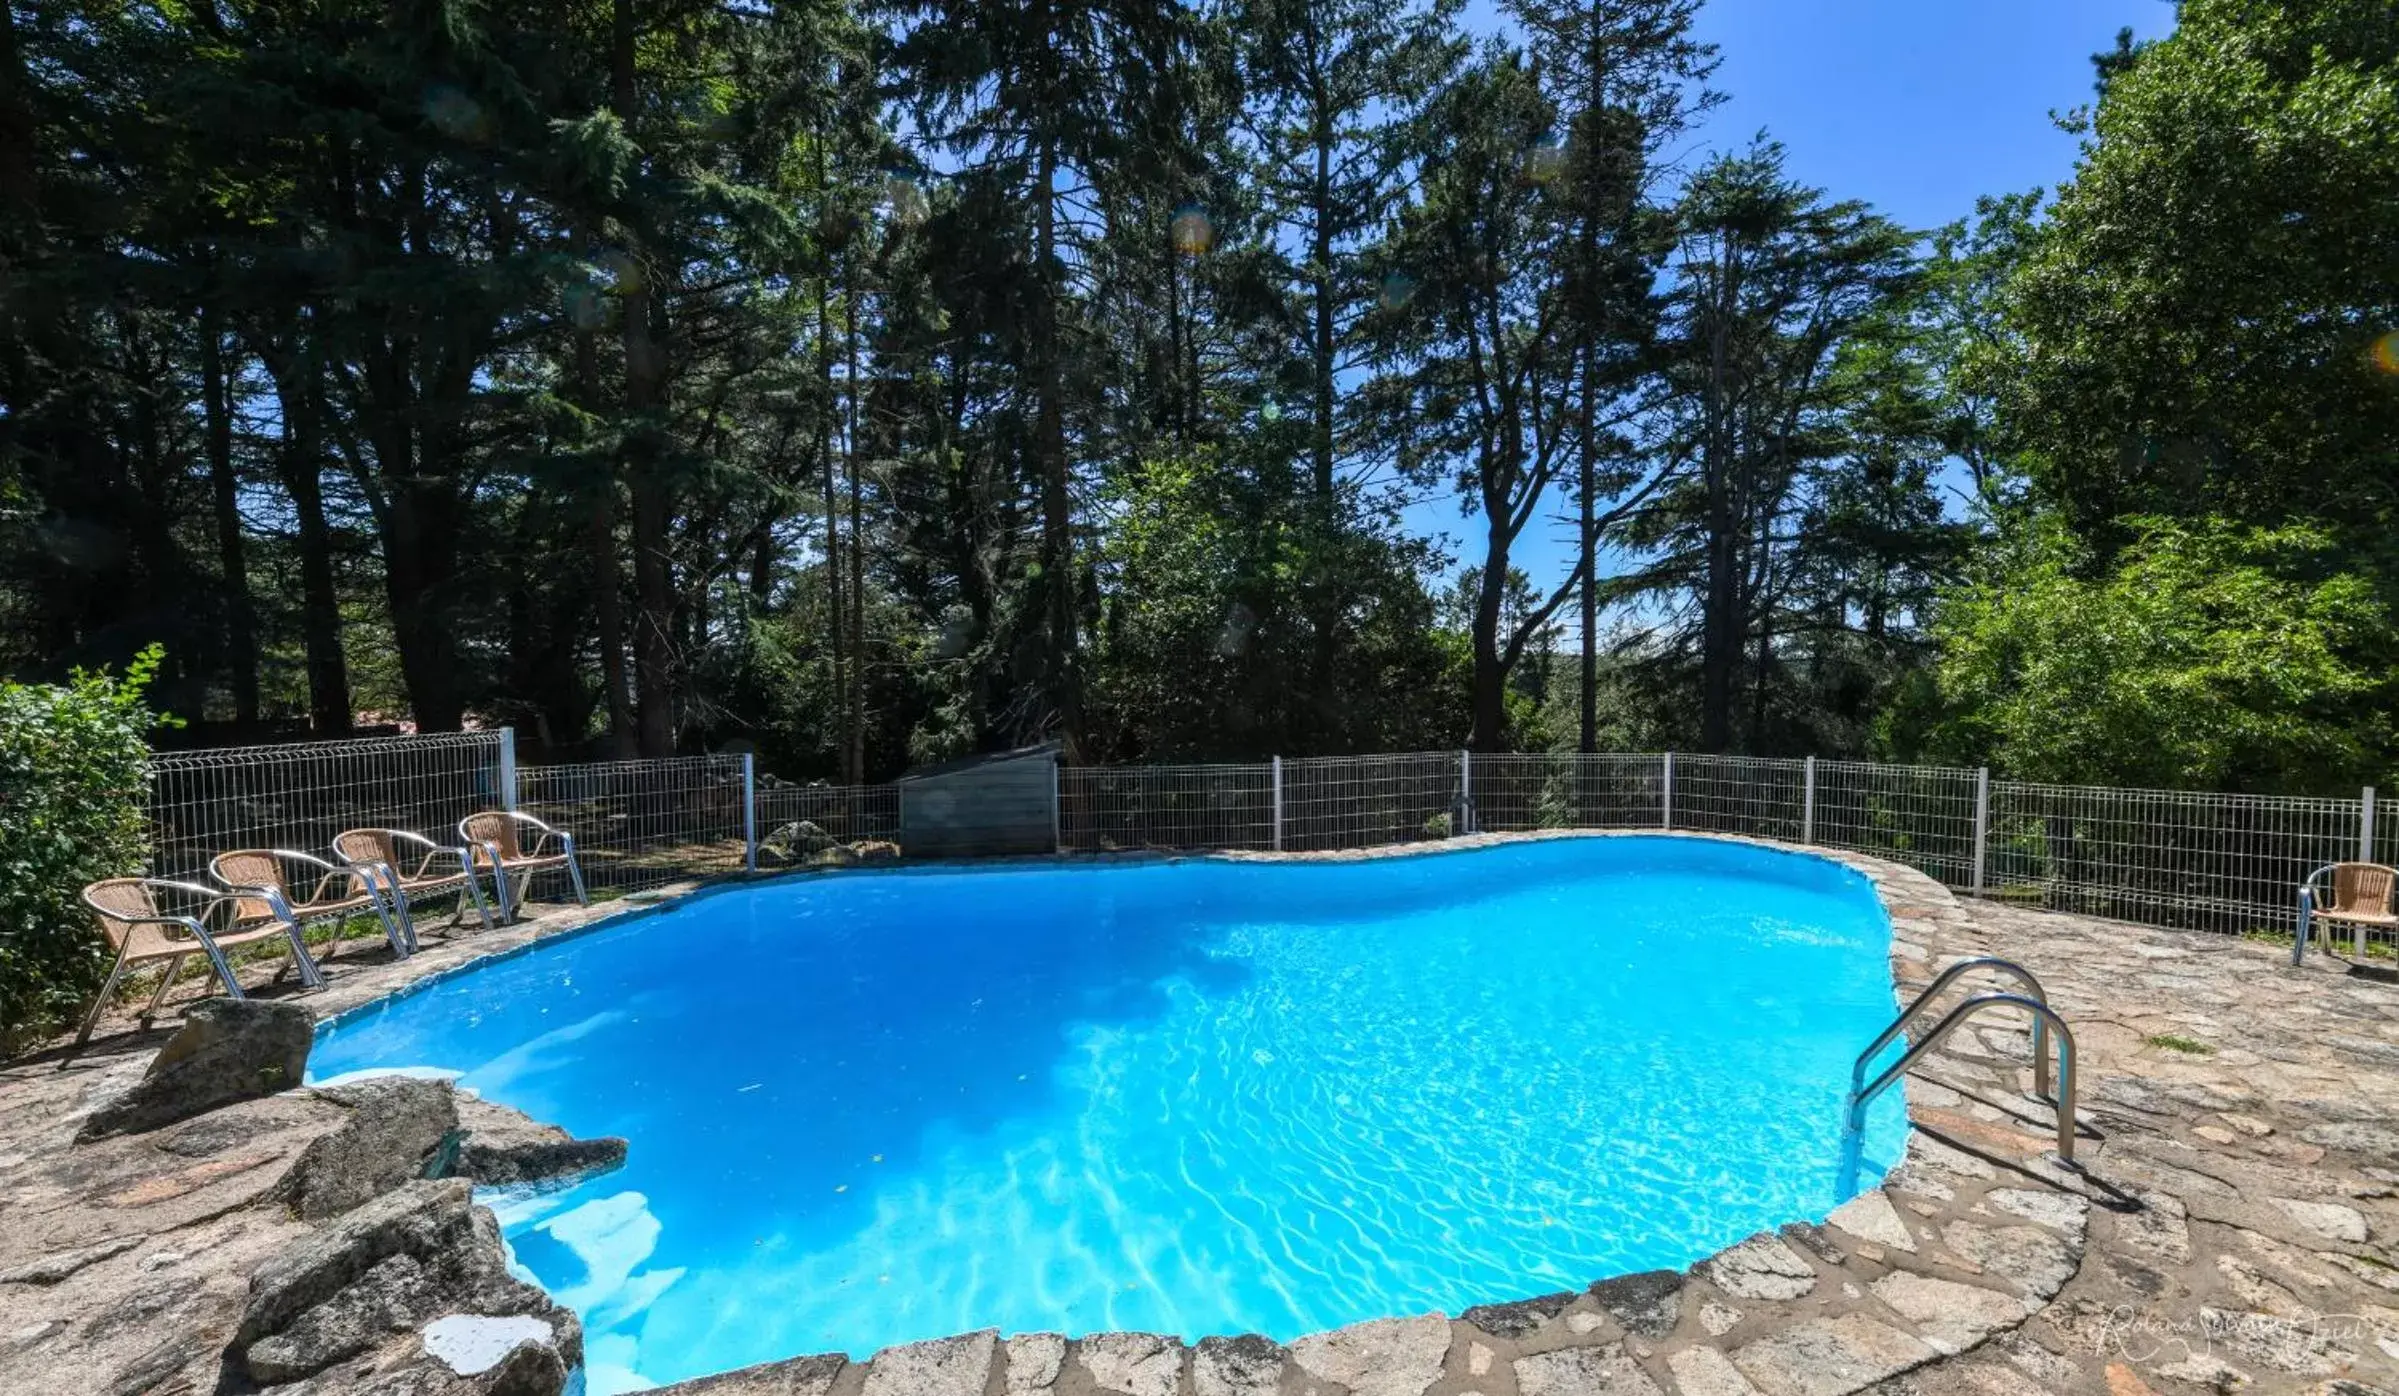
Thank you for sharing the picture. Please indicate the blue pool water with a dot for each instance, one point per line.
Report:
(1191, 1098)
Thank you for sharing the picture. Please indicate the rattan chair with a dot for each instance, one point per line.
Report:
(414, 866)
(496, 840)
(2357, 895)
(258, 876)
(143, 933)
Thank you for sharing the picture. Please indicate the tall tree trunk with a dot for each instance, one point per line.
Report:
(607, 581)
(645, 393)
(1757, 716)
(301, 464)
(1490, 670)
(856, 755)
(1323, 351)
(1049, 438)
(1587, 485)
(836, 615)
(241, 621)
(1720, 629)
(419, 568)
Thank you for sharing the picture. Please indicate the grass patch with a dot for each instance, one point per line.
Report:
(2266, 935)
(2173, 1043)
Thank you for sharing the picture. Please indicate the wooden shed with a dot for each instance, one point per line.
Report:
(998, 802)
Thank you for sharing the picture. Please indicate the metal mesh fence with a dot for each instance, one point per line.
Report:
(643, 823)
(1334, 802)
(2228, 863)
(1110, 807)
(2208, 862)
(1922, 816)
(1566, 790)
(1749, 795)
(299, 796)
(841, 813)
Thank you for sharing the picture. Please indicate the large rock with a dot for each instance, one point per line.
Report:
(1380, 1357)
(226, 1050)
(1245, 1366)
(1762, 1267)
(1133, 1364)
(425, 1366)
(1647, 1304)
(400, 1128)
(421, 1252)
(796, 1376)
(503, 1146)
(1829, 1356)
(1599, 1371)
(959, 1366)
(1519, 1317)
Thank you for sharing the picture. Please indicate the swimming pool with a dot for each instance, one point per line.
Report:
(1192, 1097)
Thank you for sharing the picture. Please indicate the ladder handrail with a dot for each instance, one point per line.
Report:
(1947, 977)
(2042, 1013)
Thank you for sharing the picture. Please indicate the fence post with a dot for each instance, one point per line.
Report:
(2365, 827)
(508, 769)
(1057, 819)
(1982, 822)
(1465, 791)
(1666, 795)
(749, 811)
(1278, 804)
(1807, 804)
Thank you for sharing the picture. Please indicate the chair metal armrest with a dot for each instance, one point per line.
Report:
(420, 844)
(206, 893)
(545, 832)
(366, 875)
(435, 852)
(189, 925)
(278, 905)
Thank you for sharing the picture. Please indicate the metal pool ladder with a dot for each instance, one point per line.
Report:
(2033, 1000)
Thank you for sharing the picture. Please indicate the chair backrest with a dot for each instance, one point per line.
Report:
(493, 827)
(249, 867)
(2363, 888)
(119, 902)
(366, 846)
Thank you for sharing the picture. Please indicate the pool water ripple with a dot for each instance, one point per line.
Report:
(1193, 1098)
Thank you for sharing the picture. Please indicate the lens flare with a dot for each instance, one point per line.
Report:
(624, 272)
(2386, 353)
(904, 197)
(585, 309)
(1233, 639)
(1193, 233)
(1545, 160)
(1397, 290)
(455, 114)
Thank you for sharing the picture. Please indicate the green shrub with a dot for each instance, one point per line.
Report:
(73, 769)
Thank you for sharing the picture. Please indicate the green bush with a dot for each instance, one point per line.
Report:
(73, 768)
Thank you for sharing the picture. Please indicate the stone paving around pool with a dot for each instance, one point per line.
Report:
(2230, 1226)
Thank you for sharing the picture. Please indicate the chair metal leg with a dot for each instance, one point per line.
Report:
(159, 995)
(309, 974)
(391, 928)
(474, 888)
(406, 911)
(100, 1002)
(574, 869)
(224, 969)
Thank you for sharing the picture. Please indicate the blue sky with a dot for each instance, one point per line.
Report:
(1916, 106)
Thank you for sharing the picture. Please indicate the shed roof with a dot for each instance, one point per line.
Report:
(980, 759)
